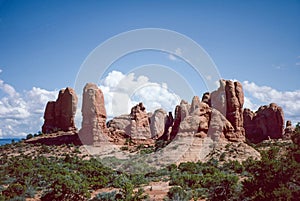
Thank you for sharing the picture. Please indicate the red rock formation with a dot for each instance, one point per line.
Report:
(93, 130)
(221, 128)
(267, 122)
(60, 114)
(177, 120)
(158, 123)
(140, 126)
(49, 116)
(235, 102)
(195, 104)
(249, 124)
(197, 121)
(229, 100)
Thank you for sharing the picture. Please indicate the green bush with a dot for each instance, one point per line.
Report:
(177, 193)
(274, 177)
(106, 196)
(68, 186)
(29, 136)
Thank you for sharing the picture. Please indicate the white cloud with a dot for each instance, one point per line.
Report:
(22, 113)
(288, 100)
(121, 92)
(248, 103)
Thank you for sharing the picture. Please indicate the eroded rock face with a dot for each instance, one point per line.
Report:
(195, 104)
(206, 98)
(249, 123)
(176, 124)
(49, 118)
(60, 114)
(267, 122)
(197, 121)
(139, 125)
(229, 100)
(120, 123)
(158, 123)
(93, 130)
(270, 121)
(221, 128)
(235, 102)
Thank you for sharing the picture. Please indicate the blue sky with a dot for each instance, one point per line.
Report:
(44, 43)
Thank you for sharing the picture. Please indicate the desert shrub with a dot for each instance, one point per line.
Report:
(274, 177)
(178, 193)
(68, 186)
(205, 180)
(233, 166)
(106, 196)
(29, 136)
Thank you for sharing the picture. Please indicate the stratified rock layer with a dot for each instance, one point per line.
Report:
(60, 114)
(93, 130)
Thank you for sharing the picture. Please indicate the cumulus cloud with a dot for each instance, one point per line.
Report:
(22, 113)
(288, 100)
(121, 92)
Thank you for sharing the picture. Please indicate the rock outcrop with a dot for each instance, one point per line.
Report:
(60, 114)
(158, 123)
(229, 100)
(206, 98)
(139, 125)
(93, 130)
(197, 120)
(289, 130)
(266, 122)
(202, 120)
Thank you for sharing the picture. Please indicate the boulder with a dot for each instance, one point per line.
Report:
(60, 114)
(93, 130)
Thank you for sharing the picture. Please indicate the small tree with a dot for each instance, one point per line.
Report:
(29, 136)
